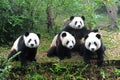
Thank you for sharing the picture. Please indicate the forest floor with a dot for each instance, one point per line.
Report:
(68, 69)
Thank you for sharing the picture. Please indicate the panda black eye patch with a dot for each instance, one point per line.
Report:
(89, 44)
(73, 42)
(75, 22)
(95, 43)
(29, 40)
(67, 42)
(80, 22)
(35, 41)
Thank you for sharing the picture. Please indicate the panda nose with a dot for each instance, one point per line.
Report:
(92, 49)
(70, 46)
(32, 45)
(78, 25)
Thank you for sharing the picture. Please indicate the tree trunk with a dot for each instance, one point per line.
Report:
(50, 18)
(112, 14)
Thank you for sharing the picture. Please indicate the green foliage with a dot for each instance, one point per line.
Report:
(16, 18)
(102, 72)
(64, 70)
(57, 69)
(117, 72)
(5, 72)
(19, 16)
(10, 59)
(35, 77)
(5, 67)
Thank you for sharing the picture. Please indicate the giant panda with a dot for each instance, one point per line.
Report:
(61, 45)
(94, 49)
(77, 28)
(27, 44)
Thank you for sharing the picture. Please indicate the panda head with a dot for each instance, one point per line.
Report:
(67, 40)
(93, 41)
(31, 40)
(77, 22)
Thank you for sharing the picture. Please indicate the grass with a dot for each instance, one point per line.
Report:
(58, 70)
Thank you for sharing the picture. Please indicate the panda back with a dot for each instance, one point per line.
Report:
(54, 41)
(15, 45)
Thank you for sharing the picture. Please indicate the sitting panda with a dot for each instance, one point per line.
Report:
(27, 44)
(93, 48)
(77, 28)
(61, 45)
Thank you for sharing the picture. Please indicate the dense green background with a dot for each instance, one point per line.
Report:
(19, 16)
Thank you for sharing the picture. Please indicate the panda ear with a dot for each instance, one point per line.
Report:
(63, 34)
(95, 30)
(98, 36)
(71, 18)
(26, 34)
(86, 37)
(83, 18)
(39, 36)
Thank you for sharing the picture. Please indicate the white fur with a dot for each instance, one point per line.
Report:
(69, 38)
(78, 19)
(33, 37)
(91, 39)
(54, 41)
(15, 45)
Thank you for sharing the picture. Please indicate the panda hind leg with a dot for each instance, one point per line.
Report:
(11, 54)
(52, 52)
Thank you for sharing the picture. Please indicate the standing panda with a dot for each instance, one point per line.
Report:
(61, 45)
(27, 44)
(93, 48)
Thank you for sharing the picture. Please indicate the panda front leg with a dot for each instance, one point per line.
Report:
(22, 58)
(60, 56)
(68, 54)
(11, 54)
(100, 59)
(52, 52)
(79, 48)
(32, 56)
(86, 57)
(60, 53)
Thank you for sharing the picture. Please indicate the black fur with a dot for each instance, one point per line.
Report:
(52, 52)
(59, 50)
(97, 56)
(71, 18)
(13, 52)
(78, 34)
(27, 54)
(83, 18)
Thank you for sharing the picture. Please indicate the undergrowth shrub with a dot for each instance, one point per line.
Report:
(56, 71)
